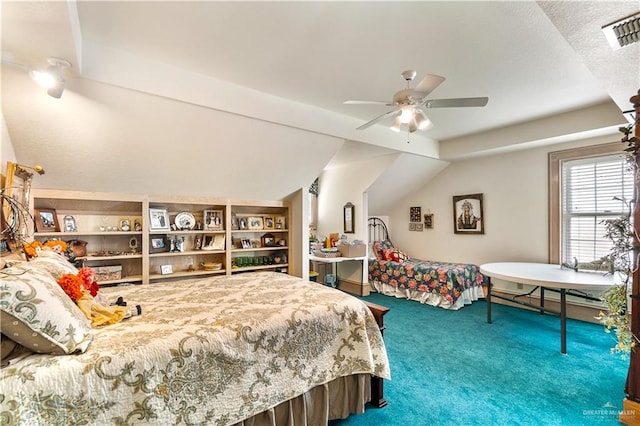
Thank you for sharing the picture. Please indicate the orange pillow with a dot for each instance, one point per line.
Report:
(395, 254)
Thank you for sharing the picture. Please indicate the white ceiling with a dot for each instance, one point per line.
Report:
(294, 63)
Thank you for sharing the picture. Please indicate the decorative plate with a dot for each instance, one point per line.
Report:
(185, 220)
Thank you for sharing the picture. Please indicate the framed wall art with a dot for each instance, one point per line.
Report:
(349, 227)
(46, 220)
(468, 215)
(428, 220)
(414, 214)
(158, 219)
(269, 222)
(255, 223)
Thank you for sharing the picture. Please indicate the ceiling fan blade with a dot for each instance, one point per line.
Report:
(380, 117)
(456, 102)
(366, 103)
(428, 84)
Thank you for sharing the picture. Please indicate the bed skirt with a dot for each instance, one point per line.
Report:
(334, 400)
(466, 298)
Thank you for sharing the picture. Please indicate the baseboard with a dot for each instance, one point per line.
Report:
(354, 287)
(630, 414)
(574, 311)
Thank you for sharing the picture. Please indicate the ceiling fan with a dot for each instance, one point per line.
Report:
(410, 103)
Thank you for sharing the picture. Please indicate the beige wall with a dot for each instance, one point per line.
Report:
(6, 148)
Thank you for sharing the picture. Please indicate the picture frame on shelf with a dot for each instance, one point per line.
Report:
(243, 223)
(234, 222)
(255, 243)
(213, 242)
(245, 243)
(47, 220)
(255, 223)
(159, 219)
(124, 224)
(158, 244)
(468, 215)
(166, 269)
(280, 222)
(268, 240)
(213, 220)
(70, 224)
(269, 222)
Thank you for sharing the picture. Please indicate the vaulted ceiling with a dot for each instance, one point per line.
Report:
(250, 94)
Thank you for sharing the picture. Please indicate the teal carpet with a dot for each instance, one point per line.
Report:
(452, 368)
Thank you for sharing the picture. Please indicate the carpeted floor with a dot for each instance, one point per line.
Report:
(452, 368)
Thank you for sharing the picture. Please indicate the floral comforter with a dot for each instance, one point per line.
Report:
(210, 351)
(448, 282)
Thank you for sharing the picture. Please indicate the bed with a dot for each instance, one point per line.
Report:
(392, 272)
(250, 349)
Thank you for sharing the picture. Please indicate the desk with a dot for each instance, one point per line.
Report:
(546, 277)
(334, 261)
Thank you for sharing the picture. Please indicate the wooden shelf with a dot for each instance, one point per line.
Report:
(274, 248)
(181, 274)
(259, 267)
(90, 258)
(85, 234)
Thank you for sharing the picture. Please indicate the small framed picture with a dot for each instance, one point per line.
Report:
(166, 269)
(419, 227)
(269, 222)
(255, 243)
(213, 242)
(158, 219)
(158, 244)
(213, 220)
(47, 220)
(243, 223)
(234, 222)
(412, 226)
(280, 222)
(124, 225)
(414, 214)
(256, 223)
(428, 220)
(70, 224)
(246, 243)
(268, 240)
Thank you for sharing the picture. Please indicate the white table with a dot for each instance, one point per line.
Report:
(550, 277)
(334, 261)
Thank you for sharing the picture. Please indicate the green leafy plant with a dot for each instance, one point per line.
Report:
(621, 232)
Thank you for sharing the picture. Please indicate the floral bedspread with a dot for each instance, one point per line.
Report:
(448, 280)
(209, 351)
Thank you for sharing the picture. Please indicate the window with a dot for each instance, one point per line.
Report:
(582, 184)
(593, 190)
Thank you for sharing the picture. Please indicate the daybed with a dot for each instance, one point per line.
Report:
(392, 272)
(254, 348)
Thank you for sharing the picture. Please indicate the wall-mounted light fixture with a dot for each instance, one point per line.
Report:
(36, 168)
(51, 78)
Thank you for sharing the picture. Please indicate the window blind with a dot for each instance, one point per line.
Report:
(590, 187)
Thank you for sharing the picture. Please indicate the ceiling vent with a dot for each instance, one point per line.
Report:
(623, 32)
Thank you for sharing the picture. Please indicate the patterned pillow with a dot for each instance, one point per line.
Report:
(379, 247)
(53, 263)
(395, 254)
(36, 313)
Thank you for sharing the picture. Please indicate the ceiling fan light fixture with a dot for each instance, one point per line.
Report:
(422, 121)
(396, 125)
(413, 126)
(407, 115)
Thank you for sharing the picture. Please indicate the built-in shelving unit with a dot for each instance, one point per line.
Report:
(148, 254)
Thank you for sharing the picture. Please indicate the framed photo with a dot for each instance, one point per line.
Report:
(348, 216)
(268, 240)
(158, 219)
(414, 214)
(428, 220)
(124, 225)
(213, 220)
(269, 222)
(234, 222)
(46, 220)
(70, 224)
(158, 244)
(166, 269)
(243, 223)
(246, 243)
(412, 226)
(419, 227)
(255, 243)
(468, 216)
(255, 222)
(213, 242)
(281, 222)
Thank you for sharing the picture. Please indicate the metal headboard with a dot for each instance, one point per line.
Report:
(377, 230)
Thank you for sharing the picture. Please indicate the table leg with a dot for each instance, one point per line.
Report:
(489, 301)
(563, 321)
(541, 300)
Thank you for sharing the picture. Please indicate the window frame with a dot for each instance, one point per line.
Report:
(555, 161)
